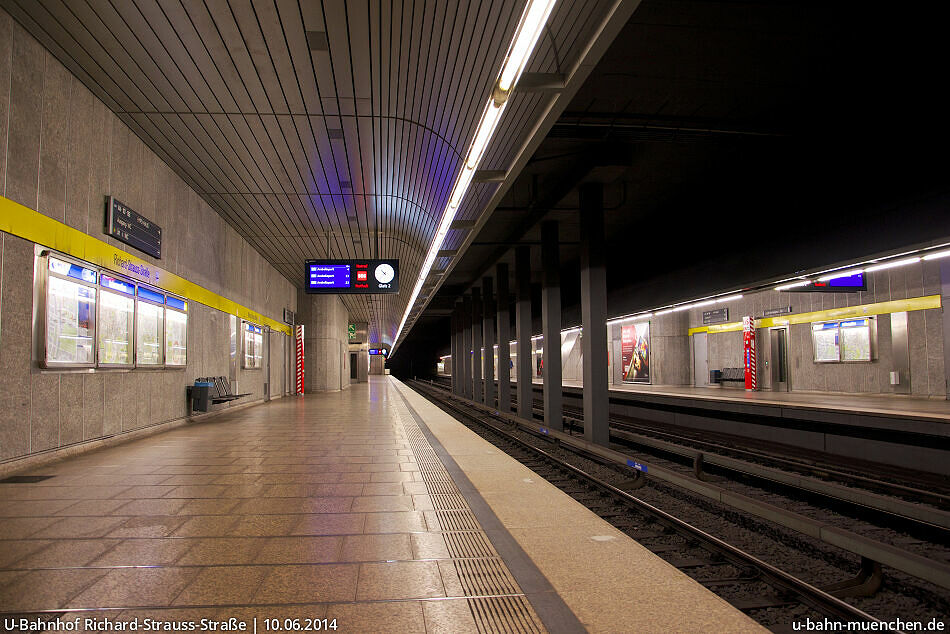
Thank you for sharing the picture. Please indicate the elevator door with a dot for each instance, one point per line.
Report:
(354, 367)
(700, 360)
(778, 339)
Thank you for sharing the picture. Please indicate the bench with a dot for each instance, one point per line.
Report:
(219, 391)
(727, 374)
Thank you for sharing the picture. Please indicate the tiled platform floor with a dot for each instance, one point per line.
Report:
(309, 508)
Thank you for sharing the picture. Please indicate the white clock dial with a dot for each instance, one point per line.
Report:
(384, 273)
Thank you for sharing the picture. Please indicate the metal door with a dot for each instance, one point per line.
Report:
(267, 356)
(354, 367)
(778, 341)
(700, 360)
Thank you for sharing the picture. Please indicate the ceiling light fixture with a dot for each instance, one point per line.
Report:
(892, 264)
(785, 287)
(937, 255)
(529, 30)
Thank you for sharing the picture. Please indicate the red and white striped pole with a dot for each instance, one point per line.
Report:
(748, 344)
(298, 335)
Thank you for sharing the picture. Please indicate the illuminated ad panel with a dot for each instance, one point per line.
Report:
(352, 276)
(635, 352)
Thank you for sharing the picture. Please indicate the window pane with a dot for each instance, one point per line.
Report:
(856, 343)
(115, 329)
(825, 337)
(149, 334)
(70, 322)
(176, 338)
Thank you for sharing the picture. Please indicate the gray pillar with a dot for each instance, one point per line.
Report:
(458, 365)
(488, 328)
(551, 325)
(454, 344)
(594, 313)
(523, 329)
(466, 346)
(504, 336)
(476, 345)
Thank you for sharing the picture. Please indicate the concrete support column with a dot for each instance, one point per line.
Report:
(523, 329)
(477, 391)
(504, 336)
(551, 325)
(466, 364)
(594, 313)
(488, 329)
(452, 348)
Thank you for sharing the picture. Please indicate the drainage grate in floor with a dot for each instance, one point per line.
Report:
(468, 545)
(504, 614)
(485, 577)
(25, 479)
(494, 597)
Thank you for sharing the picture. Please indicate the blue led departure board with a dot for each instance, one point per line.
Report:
(352, 276)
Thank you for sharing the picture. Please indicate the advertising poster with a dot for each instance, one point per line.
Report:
(635, 352)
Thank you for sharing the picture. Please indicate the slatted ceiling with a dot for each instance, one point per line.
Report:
(233, 98)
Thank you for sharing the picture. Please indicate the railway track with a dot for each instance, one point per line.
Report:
(752, 585)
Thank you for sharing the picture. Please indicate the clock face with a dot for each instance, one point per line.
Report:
(384, 273)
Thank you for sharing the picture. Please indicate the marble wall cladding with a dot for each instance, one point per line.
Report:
(62, 153)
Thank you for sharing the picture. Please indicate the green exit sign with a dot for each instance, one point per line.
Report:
(351, 331)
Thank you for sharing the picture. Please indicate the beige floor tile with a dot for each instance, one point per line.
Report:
(135, 587)
(148, 526)
(379, 547)
(150, 507)
(223, 586)
(143, 492)
(71, 553)
(94, 508)
(303, 584)
(82, 527)
(413, 488)
(12, 551)
(401, 522)
(211, 551)
(428, 546)
(384, 488)
(452, 616)
(145, 552)
(330, 524)
(300, 550)
(206, 526)
(403, 616)
(350, 489)
(400, 580)
(355, 477)
(266, 525)
(209, 507)
(28, 508)
(46, 589)
(376, 503)
(23, 527)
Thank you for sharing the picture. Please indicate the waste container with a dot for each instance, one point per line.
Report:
(200, 395)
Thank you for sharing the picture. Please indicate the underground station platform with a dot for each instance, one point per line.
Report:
(363, 510)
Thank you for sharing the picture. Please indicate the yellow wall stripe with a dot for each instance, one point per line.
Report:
(847, 312)
(33, 226)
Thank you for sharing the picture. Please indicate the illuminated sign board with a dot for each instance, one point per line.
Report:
(125, 225)
(377, 351)
(352, 276)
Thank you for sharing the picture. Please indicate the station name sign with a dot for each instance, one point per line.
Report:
(128, 226)
(352, 276)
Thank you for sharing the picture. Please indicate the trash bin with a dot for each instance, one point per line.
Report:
(200, 394)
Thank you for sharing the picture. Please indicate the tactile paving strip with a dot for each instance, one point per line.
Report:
(494, 597)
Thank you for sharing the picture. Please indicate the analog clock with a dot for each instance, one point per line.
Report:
(384, 273)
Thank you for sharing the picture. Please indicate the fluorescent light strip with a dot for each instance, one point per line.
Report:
(785, 287)
(892, 264)
(532, 23)
(529, 31)
(937, 255)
